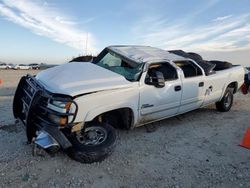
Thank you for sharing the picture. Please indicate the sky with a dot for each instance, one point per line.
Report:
(54, 31)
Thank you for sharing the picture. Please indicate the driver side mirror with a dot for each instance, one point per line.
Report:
(156, 80)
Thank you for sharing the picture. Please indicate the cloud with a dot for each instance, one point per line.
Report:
(222, 18)
(64, 21)
(45, 20)
(231, 33)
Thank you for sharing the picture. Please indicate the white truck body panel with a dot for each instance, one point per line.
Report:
(98, 90)
(160, 102)
(220, 81)
(92, 105)
(80, 78)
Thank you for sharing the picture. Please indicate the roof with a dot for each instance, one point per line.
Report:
(145, 54)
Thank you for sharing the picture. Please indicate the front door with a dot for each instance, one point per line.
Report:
(158, 103)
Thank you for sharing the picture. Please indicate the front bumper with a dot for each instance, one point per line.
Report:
(30, 107)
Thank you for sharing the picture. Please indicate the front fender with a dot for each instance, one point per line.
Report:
(97, 111)
(92, 105)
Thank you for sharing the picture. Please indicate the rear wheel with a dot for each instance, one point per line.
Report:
(226, 102)
(92, 144)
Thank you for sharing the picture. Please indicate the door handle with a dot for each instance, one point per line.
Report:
(201, 84)
(177, 88)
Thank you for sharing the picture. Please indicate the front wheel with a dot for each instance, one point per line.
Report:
(92, 144)
(226, 102)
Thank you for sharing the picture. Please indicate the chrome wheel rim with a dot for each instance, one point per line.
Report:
(92, 136)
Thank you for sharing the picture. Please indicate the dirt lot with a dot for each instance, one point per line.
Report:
(197, 149)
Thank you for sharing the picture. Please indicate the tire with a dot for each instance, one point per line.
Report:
(196, 57)
(221, 65)
(226, 102)
(86, 151)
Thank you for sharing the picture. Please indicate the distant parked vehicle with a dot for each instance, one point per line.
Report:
(3, 66)
(35, 66)
(10, 66)
(22, 67)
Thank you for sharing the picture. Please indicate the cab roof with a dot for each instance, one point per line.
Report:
(145, 54)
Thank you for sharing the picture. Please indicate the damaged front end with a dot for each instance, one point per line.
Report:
(48, 117)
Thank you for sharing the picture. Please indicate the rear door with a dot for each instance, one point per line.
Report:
(157, 103)
(193, 92)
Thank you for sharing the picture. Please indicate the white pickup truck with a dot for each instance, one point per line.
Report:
(76, 106)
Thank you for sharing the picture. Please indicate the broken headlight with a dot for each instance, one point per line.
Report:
(65, 111)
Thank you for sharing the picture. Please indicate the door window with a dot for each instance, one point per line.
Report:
(189, 68)
(166, 69)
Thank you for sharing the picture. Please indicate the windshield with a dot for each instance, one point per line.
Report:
(112, 62)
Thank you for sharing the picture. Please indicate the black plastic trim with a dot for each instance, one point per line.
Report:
(30, 106)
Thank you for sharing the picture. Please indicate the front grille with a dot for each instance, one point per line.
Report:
(31, 101)
(26, 92)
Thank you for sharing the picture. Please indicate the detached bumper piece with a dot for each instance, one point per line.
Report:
(30, 106)
(44, 140)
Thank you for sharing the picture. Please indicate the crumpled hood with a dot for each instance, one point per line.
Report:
(79, 78)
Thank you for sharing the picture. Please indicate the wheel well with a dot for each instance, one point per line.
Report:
(234, 86)
(120, 118)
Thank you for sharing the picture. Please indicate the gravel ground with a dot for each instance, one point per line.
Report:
(197, 149)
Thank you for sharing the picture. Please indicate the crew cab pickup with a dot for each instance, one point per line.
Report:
(76, 106)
